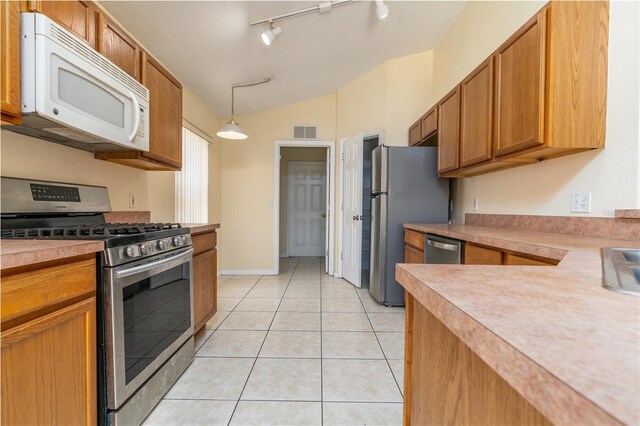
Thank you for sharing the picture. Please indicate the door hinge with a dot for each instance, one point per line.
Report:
(342, 205)
(343, 156)
(341, 256)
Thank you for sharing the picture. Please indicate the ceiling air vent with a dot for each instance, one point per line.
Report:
(305, 132)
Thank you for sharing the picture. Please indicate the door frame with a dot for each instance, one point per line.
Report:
(340, 266)
(289, 215)
(331, 188)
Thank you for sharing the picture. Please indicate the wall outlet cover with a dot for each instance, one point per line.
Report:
(132, 200)
(581, 202)
(475, 206)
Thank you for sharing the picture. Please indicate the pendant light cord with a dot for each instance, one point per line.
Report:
(248, 84)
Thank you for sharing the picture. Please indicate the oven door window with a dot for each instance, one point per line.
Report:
(157, 311)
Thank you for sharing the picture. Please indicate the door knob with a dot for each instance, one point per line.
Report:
(355, 218)
(324, 215)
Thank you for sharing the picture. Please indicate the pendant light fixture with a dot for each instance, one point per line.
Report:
(231, 130)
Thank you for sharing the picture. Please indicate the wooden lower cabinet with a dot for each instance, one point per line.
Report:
(48, 356)
(412, 255)
(205, 277)
(476, 255)
(447, 383)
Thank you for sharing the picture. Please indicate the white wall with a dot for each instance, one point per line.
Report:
(545, 188)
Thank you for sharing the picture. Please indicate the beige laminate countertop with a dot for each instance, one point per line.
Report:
(569, 346)
(15, 253)
(200, 228)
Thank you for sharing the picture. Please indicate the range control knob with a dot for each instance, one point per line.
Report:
(144, 249)
(132, 251)
(175, 241)
(178, 241)
(161, 245)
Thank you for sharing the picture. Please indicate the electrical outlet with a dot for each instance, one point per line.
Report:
(132, 200)
(581, 202)
(475, 205)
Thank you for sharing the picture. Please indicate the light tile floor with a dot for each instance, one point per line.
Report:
(299, 348)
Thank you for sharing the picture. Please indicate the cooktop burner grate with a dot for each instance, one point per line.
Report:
(89, 231)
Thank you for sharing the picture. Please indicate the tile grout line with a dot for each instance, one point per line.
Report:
(261, 345)
(382, 349)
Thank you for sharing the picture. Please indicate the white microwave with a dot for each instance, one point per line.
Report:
(73, 95)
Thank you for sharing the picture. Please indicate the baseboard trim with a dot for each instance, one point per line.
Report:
(249, 272)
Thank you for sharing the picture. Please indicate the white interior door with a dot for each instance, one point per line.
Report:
(328, 210)
(307, 208)
(352, 199)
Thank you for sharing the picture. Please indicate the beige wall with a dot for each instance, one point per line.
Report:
(611, 175)
(287, 155)
(248, 221)
(27, 157)
(387, 99)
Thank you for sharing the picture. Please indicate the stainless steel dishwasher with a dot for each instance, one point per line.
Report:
(442, 250)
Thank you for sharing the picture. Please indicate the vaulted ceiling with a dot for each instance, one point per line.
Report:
(209, 45)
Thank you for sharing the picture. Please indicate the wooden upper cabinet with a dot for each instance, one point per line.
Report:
(429, 123)
(520, 88)
(476, 104)
(77, 16)
(414, 134)
(118, 46)
(165, 113)
(449, 131)
(10, 61)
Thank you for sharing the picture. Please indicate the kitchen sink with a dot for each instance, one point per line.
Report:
(621, 270)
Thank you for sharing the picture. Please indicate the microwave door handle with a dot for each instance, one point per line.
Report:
(162, 265)
(136, 108)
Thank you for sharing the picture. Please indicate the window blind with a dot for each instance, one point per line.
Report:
(192, 183)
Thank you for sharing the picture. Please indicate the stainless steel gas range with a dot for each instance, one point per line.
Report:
(145, 291)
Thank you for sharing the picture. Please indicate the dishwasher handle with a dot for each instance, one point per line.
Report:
(443, 246)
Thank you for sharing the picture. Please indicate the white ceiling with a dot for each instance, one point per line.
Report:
(209, 45)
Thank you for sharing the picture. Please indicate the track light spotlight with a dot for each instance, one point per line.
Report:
(382, 10)
(269, 35)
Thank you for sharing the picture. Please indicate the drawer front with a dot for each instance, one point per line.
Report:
(414, 239)
(203, 242)
(412, 255)
(29, 291)
(475, 255)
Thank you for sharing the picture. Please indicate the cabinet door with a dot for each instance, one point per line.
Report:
(414, 134)
(118, 46)
(77, 16)
(49, 368)
(520, 88)
(475, 255)
(10, 60)
(165, 113)
(204, 288)
(412, 255)
(429, 123)
(476, 104)
(449, 131)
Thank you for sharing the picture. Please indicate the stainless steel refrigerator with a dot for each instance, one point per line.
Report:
(405, 189)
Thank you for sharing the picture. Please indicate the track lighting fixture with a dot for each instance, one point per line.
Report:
(231, 130)
(382, 10)
(269, 35)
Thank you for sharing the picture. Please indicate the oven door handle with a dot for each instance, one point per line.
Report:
(164, 264)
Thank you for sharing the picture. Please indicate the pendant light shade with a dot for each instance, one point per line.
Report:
(231, 130)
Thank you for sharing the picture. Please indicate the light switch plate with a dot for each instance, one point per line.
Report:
(581, 202)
